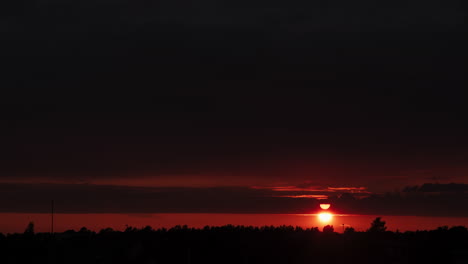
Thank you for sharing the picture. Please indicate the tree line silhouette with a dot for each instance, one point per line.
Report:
(238, 244)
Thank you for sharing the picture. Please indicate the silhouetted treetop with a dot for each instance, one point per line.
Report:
(377, 226)
(349, 230)
(29, 229)
(328, 229)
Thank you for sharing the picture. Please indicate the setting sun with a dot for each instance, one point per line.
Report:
(325, 217)
(324, 206)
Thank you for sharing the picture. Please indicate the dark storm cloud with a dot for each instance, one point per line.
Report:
(35, 198)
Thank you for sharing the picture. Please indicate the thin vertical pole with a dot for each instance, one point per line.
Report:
(52, 218)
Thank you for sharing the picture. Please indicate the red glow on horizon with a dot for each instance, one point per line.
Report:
(16, 222)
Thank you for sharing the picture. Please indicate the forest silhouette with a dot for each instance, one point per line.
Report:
(238, 244)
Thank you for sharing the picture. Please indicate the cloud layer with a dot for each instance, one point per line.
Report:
(85, 198)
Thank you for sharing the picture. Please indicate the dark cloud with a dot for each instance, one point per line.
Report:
(438, 188)
(425, 200)
(84, 198)
(35, 198)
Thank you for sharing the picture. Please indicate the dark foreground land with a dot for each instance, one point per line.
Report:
(237, 244)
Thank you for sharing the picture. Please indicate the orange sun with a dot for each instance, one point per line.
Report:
(324, 206)
(325, 217)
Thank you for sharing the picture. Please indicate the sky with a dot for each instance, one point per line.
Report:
(234, 107)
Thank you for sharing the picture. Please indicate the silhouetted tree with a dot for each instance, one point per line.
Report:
(442, 228)
(458, 230)
(315, 230)
(29, 229)
(130, 229)
(106, 230)
(349, 230)
(84, 230)
(328, 229)
(377, 226)
(147, 229)
(70, 231)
